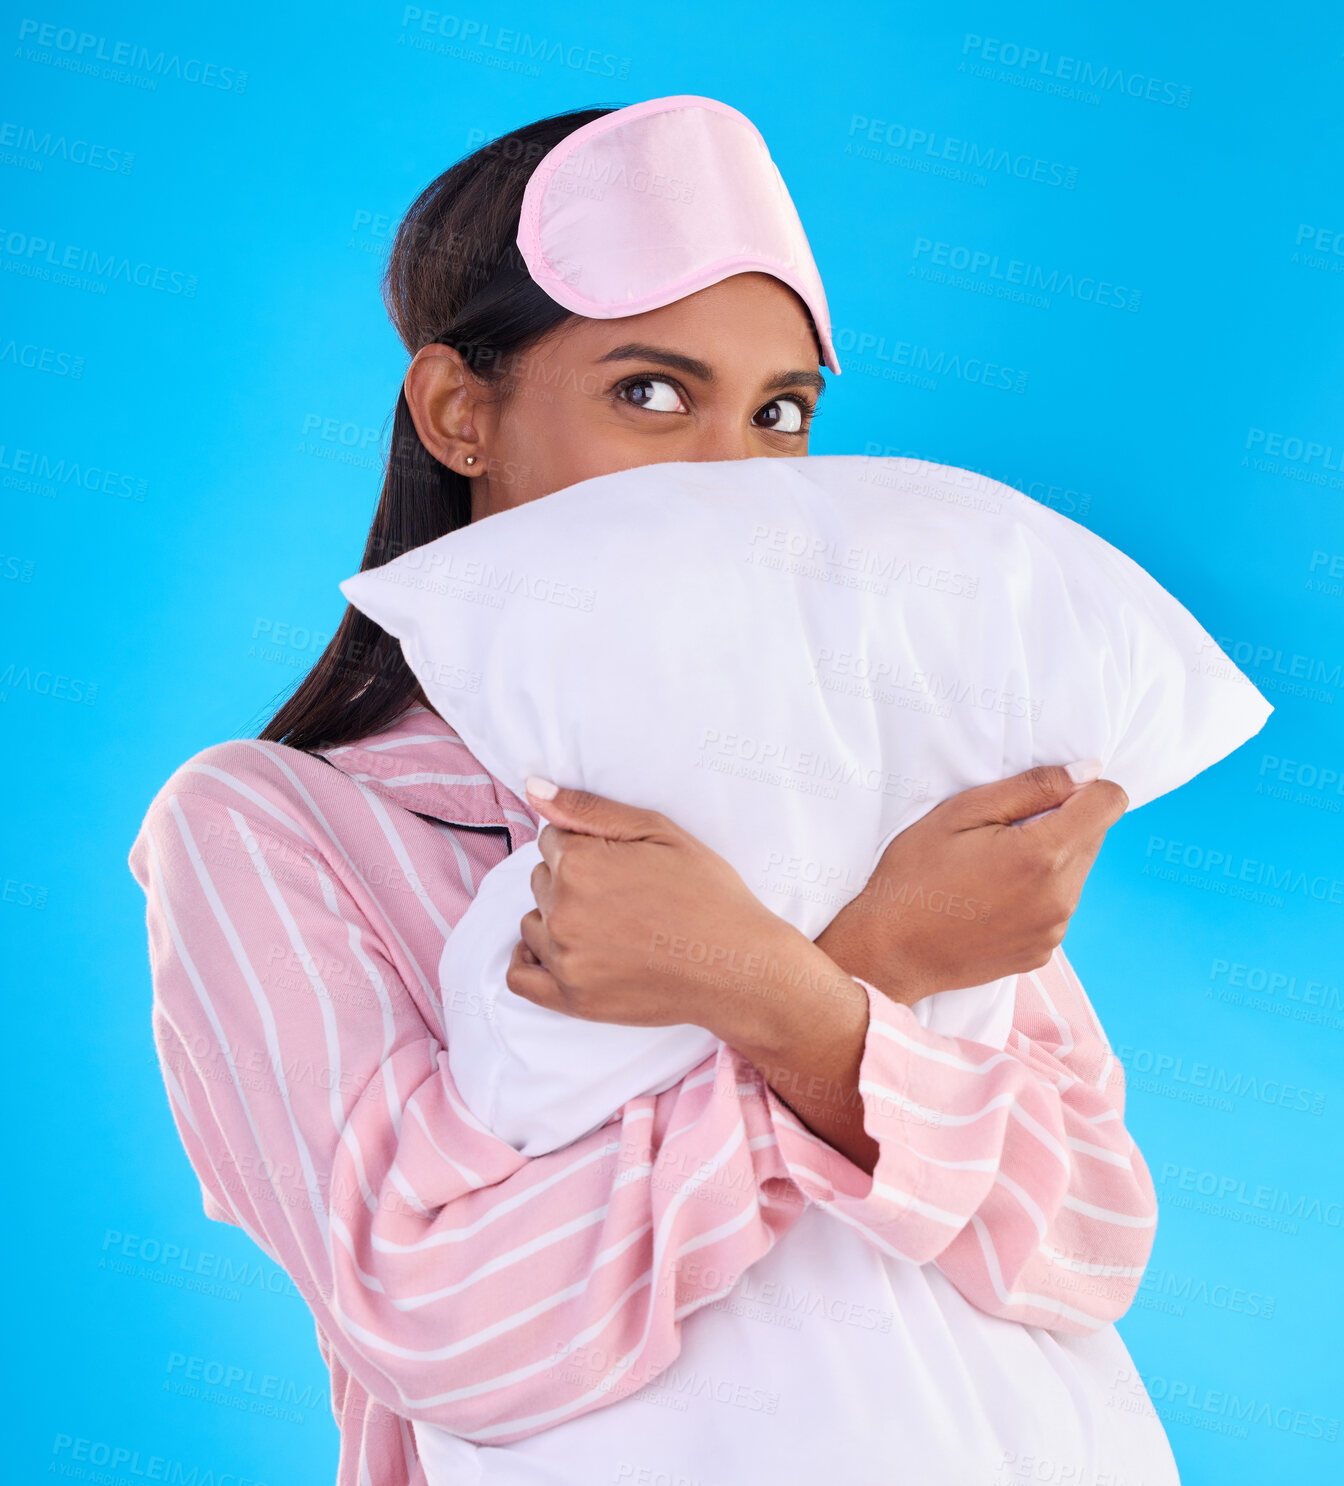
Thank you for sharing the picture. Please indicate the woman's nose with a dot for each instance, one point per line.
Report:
(726, 439)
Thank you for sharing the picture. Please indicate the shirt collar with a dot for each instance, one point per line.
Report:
(421, 764)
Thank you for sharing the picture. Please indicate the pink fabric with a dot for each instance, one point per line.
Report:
(650, 203)
(296, 916)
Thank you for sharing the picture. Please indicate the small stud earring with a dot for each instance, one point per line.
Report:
(471, 459)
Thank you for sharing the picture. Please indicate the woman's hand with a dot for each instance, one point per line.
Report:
(964, 897)
(639, 922)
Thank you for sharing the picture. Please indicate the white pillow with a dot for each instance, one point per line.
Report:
(794, 659)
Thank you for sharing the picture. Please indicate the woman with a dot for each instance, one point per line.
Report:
(300, 890)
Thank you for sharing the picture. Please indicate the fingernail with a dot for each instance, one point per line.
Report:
(1084, 770)
(541, 788)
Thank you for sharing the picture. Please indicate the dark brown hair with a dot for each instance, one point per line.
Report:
(454, 277)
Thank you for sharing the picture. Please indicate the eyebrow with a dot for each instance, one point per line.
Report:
(694, 367)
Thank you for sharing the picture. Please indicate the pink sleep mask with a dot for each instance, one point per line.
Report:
(652, 202)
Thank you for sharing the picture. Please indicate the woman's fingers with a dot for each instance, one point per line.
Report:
(550, 843)
(575, 814)
(534, 937)
(1004, 801)
(586, 814)
(1017, 880)
(542, 883)
(527, 978)
(1070, 837)
(1084, 817)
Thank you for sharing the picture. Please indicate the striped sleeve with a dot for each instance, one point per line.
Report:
(1010, 1169)
(454, 1280)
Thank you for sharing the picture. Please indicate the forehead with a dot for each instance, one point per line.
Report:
(746, 320)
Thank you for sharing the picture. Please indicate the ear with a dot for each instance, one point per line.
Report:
(449, 408)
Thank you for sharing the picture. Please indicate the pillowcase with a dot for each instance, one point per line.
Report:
(795, 659)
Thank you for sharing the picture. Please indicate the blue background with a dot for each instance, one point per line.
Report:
(211, 458)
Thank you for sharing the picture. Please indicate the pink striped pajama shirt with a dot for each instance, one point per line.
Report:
(297, 913)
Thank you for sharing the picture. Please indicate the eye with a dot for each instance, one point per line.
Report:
(786, 415)
(654, 393)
